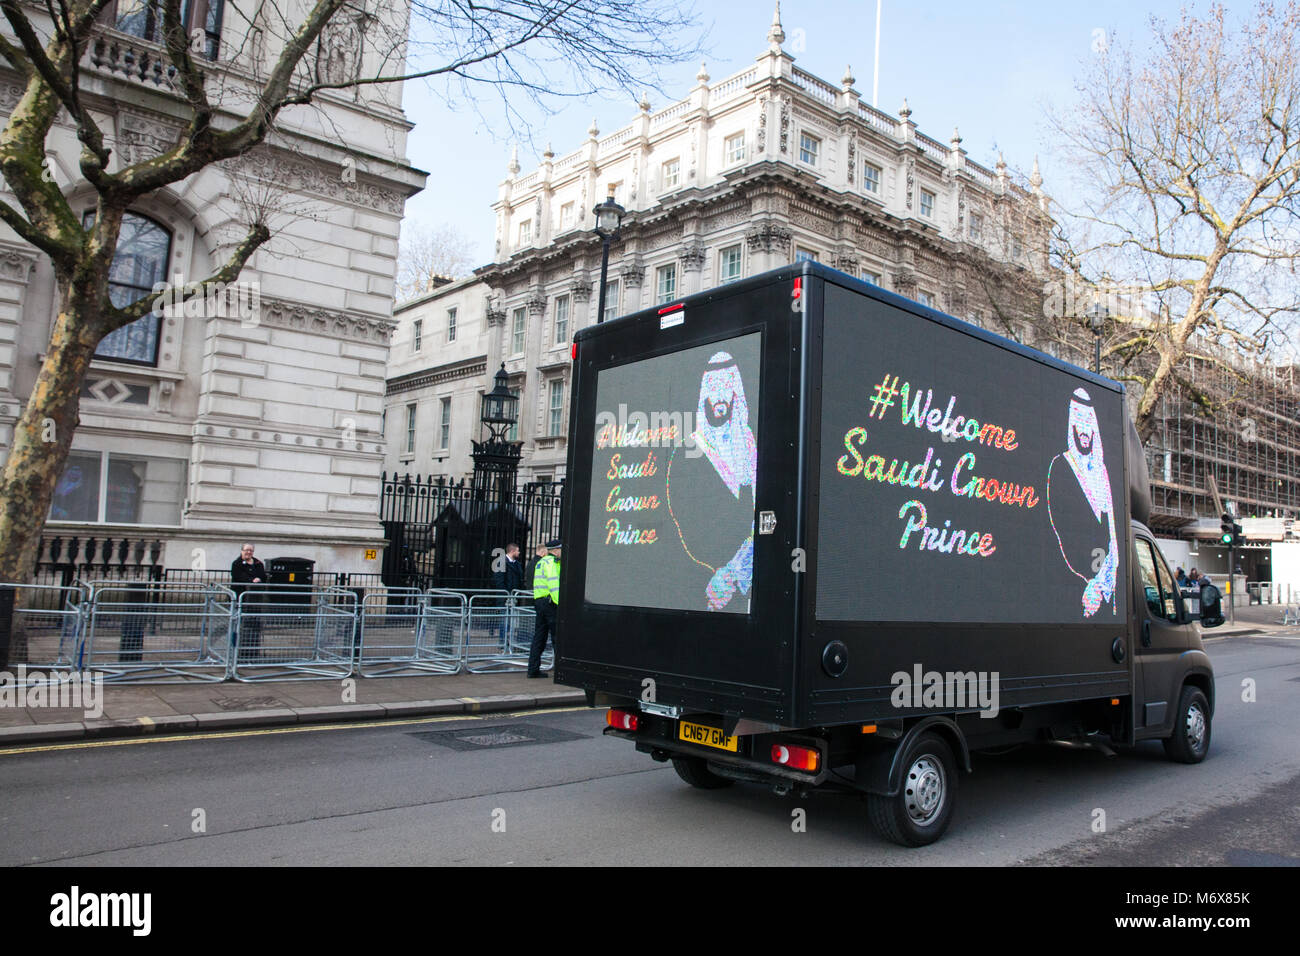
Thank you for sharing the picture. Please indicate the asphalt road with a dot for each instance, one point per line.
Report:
(548, 788)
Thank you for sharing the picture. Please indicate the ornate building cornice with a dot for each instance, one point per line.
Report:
(297, 174)
(469, 368)
(297, 317)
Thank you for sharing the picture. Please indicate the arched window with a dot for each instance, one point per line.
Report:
(143, 18)
(143, 249)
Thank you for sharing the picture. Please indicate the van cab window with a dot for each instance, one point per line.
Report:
(1157, 585)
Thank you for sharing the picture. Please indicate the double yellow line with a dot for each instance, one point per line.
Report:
(265, 731)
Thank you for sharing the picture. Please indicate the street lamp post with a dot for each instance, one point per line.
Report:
(1097, 315)
(496, 468)
(609, 220)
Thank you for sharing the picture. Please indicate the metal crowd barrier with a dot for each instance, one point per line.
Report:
(157, 632)
(292, 632)
(47, 621)
(499, 631)
(405, 632)
(1290, 614)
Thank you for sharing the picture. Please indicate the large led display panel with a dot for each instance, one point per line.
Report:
(673, 477)
(962, 481)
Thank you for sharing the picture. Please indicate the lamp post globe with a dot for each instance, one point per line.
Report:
(1097, 315)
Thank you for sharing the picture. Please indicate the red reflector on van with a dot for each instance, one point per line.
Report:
(796, 758)
(575, 351)
(621, 719)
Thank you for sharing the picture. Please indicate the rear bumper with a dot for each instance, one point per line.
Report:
(660, 734)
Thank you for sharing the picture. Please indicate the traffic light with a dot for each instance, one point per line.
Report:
(1238, 538)
(1229, 529)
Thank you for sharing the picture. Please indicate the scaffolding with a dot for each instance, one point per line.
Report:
(1237, 422)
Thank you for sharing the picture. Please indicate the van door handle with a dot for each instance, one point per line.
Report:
(1146, 633)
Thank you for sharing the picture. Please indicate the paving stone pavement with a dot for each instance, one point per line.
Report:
(133, 709)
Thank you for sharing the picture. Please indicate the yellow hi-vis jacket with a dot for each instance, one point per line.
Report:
(546, 579)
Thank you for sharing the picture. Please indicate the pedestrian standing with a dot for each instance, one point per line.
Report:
(546, 598)
(508, 576)
(247, 570)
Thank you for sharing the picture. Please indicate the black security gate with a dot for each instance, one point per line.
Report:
(443, 534)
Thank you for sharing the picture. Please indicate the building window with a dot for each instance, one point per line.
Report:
(734, 147)
(417, 334)
(872, 277)
(672, 173)
(557, 407)
(667, 284)
(871, 178)
(410, 429)
(927, 203)
(525, 232)
(561, 320)
(809, 147)
(729, 264)
(976, 226)
(612, 289)
(517, 332)
(451, 325)
(144, 19)
(112, 488)
(925, 299)
(1017, 250)
(444, 424)
(143, 248)
(804, 255)
(566, 215)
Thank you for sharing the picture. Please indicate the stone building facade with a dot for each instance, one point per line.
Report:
(257, 416)
(755, 171)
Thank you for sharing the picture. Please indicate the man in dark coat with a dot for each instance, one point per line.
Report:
(507, 575)
(247, 570)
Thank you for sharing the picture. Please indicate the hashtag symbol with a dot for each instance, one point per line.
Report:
(883, 399)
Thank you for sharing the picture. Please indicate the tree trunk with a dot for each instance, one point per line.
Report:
(43, 435)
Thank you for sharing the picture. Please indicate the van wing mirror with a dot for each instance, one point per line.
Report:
(1211, 612)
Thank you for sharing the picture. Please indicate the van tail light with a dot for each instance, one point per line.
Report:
(621, 719)
(796, 758)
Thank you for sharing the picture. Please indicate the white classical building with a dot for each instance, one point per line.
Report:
(761, 169)
(204, 427)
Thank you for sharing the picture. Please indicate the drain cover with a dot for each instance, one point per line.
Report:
(246, 703)
(496, 736)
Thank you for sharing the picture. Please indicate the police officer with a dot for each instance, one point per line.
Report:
(546, 598)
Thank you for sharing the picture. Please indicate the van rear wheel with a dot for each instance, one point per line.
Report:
(920, 812)
(696, 772)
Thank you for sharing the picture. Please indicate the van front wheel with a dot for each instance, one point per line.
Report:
(1190, 741)
(921, 810)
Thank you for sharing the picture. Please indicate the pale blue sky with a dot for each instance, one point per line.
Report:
(987, 67)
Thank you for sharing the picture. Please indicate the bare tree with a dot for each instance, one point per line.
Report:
(1189, 186)
(430, 253)
(286, 62)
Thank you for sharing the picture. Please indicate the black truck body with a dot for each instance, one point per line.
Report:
(797, 500)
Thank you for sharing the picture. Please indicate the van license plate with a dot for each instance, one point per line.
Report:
(707, 736)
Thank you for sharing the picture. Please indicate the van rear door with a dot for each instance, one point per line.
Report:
(676, 585)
